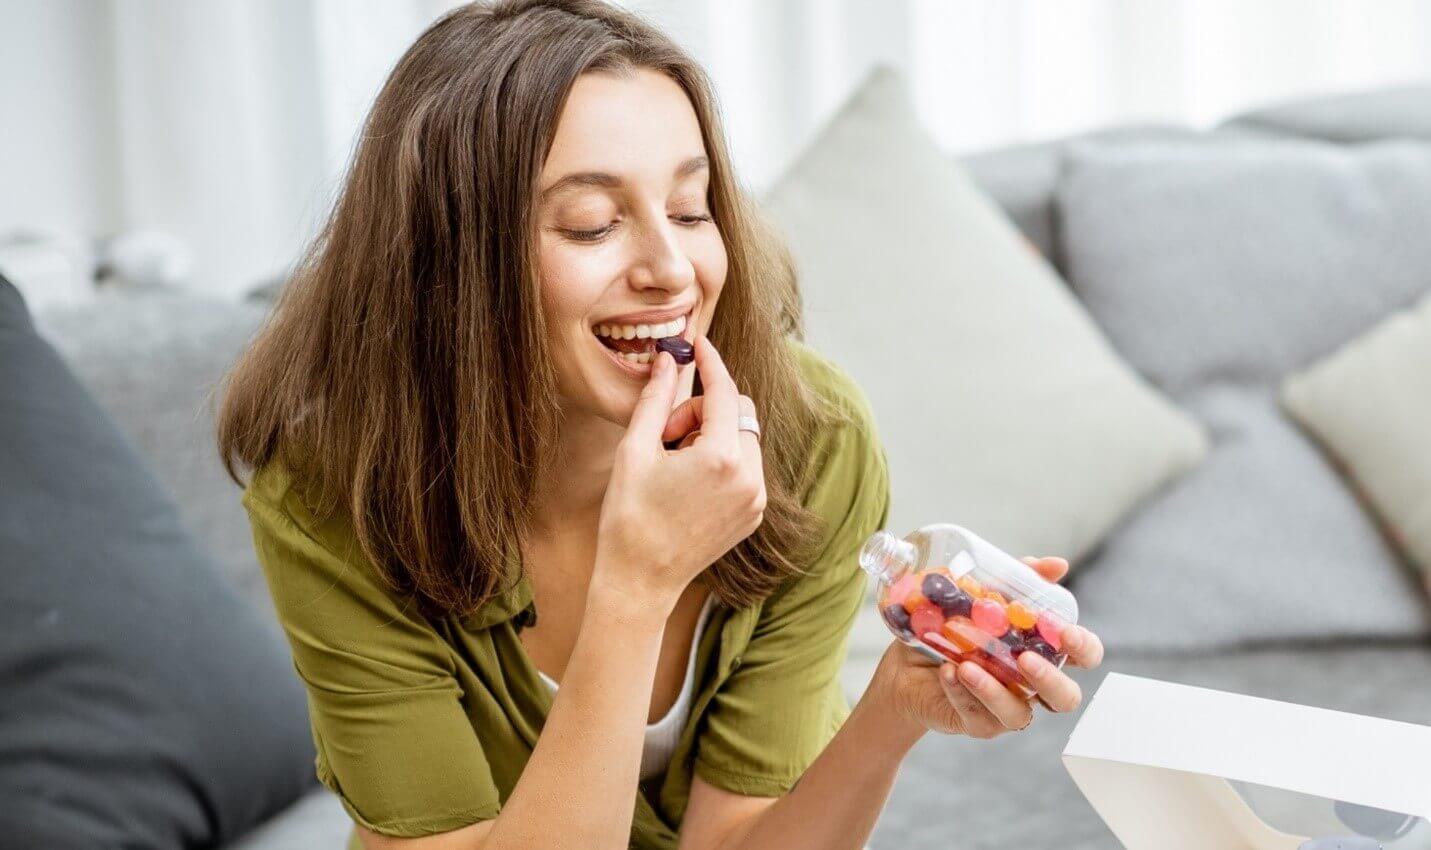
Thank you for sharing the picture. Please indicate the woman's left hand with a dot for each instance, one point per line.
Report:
(965, 699)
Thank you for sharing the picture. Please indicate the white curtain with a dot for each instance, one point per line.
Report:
(236, 117)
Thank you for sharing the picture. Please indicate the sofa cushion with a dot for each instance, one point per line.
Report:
(1369, 405)
(1000, 405)
(153, 360)
(144, 703)
(1022, 179)
(1401, 112)
(1216, 270)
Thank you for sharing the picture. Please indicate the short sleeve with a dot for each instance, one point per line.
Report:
(393, 740)
(784, 703)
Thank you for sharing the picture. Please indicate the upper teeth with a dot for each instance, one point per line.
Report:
(671, 328)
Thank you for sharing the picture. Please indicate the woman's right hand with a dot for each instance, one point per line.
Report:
(667, 515)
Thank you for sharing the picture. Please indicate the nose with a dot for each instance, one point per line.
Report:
(662, 263)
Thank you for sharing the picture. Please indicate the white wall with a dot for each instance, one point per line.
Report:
(228, 122)
(58, 153)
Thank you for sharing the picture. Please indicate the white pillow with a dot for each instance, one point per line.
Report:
(1000, 403)
(1369, 405)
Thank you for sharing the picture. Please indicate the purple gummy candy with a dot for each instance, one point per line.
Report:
(1040, 646)
(680, 350)
(898, 620)
(950, 599)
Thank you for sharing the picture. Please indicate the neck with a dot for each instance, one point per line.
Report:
(570, 495)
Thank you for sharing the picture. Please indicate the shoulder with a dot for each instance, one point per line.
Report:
(306, 556)
(844, 454)
(833, 387)
(846, 481)
(274, 496)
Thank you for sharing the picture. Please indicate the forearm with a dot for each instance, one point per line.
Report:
(578, 788)
(835, 804)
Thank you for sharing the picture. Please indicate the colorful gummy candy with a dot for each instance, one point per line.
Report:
(942, 592)
(965, 620)
(990, 616)
(1050, 628)
(925, 619)
(901, 589)
(1020, 616)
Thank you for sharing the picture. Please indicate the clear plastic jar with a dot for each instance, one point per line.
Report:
(955, 597)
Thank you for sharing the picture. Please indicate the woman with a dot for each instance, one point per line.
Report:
(519, 586)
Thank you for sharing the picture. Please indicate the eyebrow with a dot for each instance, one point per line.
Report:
(611, 181)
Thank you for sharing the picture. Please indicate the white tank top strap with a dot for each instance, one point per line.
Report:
(662, 736)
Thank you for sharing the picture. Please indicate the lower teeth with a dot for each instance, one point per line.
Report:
(634, 357)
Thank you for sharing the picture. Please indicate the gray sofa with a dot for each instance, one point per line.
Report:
(150, 359)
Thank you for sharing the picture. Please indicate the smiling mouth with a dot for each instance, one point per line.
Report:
(637, 343)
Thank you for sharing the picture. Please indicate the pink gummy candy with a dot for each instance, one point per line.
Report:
(926, 618)
(990, 616)
(901, 589)
(1050, 628)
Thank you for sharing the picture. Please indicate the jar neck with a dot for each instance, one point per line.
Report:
(887, 557)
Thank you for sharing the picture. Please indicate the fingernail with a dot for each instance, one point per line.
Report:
(948, 673)
(973, 675)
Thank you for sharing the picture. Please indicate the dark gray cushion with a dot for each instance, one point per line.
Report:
(1401, 112)
(1216, 270)
(152, 360)
(142, 703)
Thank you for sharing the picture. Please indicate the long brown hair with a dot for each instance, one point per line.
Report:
(376, 379)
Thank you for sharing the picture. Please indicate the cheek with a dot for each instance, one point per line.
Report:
(711, 263)
(571, 283)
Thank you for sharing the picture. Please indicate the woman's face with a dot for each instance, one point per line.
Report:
(627, 244)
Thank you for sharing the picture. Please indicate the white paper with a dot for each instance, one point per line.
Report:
(1151, 757)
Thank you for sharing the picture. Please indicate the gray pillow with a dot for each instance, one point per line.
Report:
(1022, 179)
(152, 360)
(143, 703)
(1000, 404)
(1401, 112)
(1216, 271)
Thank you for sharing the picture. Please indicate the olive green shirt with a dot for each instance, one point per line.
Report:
(424, 725)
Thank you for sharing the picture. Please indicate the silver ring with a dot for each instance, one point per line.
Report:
(748, 423)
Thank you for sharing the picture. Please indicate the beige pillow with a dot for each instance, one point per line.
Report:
(1001, 405)
(1369, 405)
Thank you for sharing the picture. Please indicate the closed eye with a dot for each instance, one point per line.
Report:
(599, 233)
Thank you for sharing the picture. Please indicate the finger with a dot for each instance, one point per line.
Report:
(688, 416)
(683, 420)
(1084, 648)
(1012, 712)
(654, 405)
(1051, 568)
(750, 442)
(1059, 692)
(974, 716)
(720, 407)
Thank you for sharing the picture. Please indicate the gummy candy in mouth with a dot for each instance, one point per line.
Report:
(680, 350)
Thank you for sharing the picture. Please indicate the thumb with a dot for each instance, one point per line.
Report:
(654, 405)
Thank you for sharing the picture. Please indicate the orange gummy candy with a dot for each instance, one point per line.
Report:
(1021, 616)
(954, 630)
(969, 586)
(914, 601)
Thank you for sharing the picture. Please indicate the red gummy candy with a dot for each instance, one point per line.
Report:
(901, 589)
(926, 618)
(990, 616)
(1050, 628)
